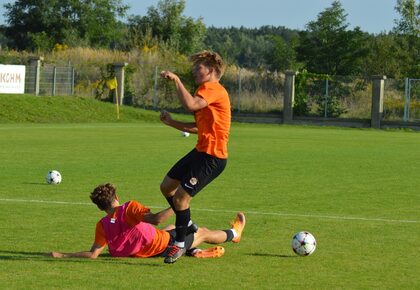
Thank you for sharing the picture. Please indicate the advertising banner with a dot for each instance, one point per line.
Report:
(12, 79)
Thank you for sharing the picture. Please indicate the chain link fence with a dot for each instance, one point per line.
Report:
(394, 100)
(251, 92)
(30, 79)
(56, 81)
(412, 100)
(334, 96)
(49, 80)
(255, 92)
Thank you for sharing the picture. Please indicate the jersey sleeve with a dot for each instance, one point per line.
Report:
(100, 238)
(135, 212)
(203, 92)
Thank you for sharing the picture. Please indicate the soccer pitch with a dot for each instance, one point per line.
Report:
(356, 191)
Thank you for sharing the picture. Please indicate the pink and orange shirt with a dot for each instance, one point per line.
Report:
(126, 234)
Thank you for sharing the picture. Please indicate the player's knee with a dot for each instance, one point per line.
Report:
(168, 186)
(163, 188)
(166, 189)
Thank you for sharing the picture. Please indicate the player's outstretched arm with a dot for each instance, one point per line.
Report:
(157, 218)
(191, 103)
(166, 118)
(92, 254)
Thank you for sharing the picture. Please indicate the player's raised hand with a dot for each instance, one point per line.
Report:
(168, 75)
(165, 117)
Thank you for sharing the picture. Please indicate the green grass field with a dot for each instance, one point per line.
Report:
(357, 191)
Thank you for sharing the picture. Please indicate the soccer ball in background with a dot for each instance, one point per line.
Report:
(53, 177)
(303, 243)
(185, 134)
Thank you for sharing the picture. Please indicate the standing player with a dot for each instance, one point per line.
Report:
(211, 107)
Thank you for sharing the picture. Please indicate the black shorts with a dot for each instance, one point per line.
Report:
(189, 239)
(196, 169)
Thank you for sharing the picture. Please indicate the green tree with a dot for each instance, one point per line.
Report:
(249, 47)
(409, 23)
(39, 24)
(281, 56)
(407, 32)
(218, 39)
(328, 47)
(167, 24)
(3, 39)
(385, 56)
(252, 52)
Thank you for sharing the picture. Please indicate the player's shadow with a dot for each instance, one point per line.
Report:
(44, 257)
(271, 255)
(28, 254)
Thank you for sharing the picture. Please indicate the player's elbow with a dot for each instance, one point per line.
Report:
(195, 104)
(190, 107)
(153, 219)
(157, 220)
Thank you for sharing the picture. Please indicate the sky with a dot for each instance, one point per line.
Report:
(373, 16)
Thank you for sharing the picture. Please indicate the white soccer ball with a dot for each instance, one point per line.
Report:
(185, 134)
(53, 177)
(303, 243)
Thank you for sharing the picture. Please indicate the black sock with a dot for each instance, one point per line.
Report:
(181, 224)
(193, 228)
(171, 202)
(229, 234)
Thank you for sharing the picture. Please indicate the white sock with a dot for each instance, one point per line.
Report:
(235, 234)
(179, 244)
(195, 251)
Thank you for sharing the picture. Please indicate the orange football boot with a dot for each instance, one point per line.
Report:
(238, 224)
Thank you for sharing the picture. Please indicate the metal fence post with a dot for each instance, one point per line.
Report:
(378, 83)
(289, 96)
(326, 99)
(239, 90)
(406, 99)
(54, 80)
(72, 81)
(155, 89)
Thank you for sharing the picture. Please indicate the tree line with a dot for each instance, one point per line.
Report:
(326, 46)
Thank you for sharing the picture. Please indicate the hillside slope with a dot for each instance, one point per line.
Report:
(32, 109)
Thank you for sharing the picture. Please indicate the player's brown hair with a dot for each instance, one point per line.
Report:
(209, 59)
(103, 196)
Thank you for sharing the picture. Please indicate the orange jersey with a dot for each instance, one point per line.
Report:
(213, 121)
(133, 215)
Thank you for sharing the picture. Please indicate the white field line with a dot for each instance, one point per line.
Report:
(384, 220)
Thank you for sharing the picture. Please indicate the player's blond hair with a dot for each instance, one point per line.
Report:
(103, 196)
(209, 59)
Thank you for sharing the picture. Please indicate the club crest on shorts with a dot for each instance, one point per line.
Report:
(193, 181)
